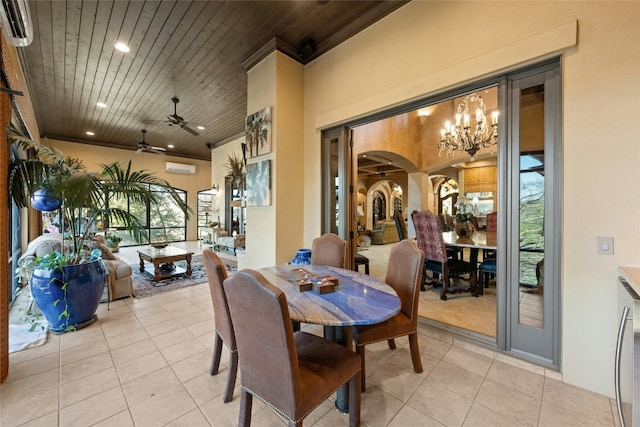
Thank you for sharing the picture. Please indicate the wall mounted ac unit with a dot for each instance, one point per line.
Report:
(15, 20)
(171, 167)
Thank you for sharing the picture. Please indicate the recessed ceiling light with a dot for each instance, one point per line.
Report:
(122, 47)
(101, 105)
(200, 127)
(89, 133)
(170, 146)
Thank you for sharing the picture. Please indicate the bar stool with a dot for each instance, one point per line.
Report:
(361, 260)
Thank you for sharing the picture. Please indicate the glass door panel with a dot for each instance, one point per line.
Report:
(531, 249)
(534, 244)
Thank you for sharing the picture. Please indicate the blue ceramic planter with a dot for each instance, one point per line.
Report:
(303, 256)
(84, 287)
(43, 201)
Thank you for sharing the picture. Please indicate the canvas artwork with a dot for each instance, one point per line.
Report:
(258, 129)
(258, 191)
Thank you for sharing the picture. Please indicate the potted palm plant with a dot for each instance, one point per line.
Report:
(67, 286)
(235, 168)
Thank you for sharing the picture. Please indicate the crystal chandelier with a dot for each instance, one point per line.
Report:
(462, 136)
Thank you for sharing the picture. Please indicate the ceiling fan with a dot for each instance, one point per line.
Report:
(175, 119)
(144, 146)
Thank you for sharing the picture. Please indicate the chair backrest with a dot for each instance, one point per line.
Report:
(400, 225)
(429, 236)
(492, 221)
(216, 274)
(329, 249)
(266, 347)
(404, 275)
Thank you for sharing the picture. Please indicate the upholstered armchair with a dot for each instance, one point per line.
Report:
(119, 273)
(230, 242)
(385, 232)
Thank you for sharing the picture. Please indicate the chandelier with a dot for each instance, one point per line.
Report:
(462, 136)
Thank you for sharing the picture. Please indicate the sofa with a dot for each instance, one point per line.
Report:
(385, 232)
(119, 273)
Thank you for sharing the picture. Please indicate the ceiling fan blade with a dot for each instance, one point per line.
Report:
(188, 129)
(157, 150)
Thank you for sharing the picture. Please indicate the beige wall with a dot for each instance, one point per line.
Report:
(420, 50)
(274, 232)
(93, 156)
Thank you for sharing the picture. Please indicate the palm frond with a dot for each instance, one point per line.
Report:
(235, 166)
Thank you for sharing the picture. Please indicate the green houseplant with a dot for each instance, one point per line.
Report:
(84, 199)
(235, 168)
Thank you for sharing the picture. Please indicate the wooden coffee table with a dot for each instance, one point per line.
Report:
(164, 257)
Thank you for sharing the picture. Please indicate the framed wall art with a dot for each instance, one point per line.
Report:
(258, 130)
(259, 183)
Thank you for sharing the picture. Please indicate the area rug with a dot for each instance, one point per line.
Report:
(144, 285)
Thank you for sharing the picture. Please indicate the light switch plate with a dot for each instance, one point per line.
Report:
(605, 245)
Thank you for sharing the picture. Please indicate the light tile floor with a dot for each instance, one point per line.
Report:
(145, 363)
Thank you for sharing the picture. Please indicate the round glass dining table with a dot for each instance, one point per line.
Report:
(358, 299)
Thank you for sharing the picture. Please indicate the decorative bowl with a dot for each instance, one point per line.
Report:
(161, 245)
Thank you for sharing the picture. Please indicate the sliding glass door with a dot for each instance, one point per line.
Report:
(520, 175)
(534, 234)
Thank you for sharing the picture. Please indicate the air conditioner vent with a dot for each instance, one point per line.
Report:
(15, 20)
(171, 167)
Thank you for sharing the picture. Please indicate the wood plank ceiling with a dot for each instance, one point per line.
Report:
(193, 50)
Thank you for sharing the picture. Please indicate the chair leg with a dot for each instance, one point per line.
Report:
(217, 352)
(354, 399)
(474, 284)
(363, 377)
(445, 286)
(246, 401)
(231, 377)
(415, 353)
(392, 344)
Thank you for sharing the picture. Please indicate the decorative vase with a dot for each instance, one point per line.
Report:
(303, 256)
(68, 296)
(43, 201)
(464, 229)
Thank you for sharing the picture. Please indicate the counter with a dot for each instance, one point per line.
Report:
(632, 276)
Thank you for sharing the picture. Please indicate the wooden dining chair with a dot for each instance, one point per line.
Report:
(430, 240)
(404, 275)
(224, 333)
(330, 250)
(292, 373)
(487, 268)
(400, 225)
